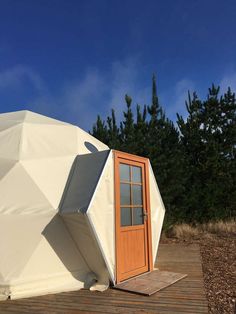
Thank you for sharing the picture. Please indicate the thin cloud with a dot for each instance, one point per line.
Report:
(125, 79)
(98, 92)
(83, 98)
(228, 80)
(175, 99)
(80, 101)
(17, 76)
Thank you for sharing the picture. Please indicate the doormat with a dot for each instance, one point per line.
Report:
(149, 283)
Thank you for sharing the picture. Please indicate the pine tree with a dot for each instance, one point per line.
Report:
(208, 137)
(140, 132)
(228, 140)
(113, 132)
(154, 126)
(193, 148)
(100, 130)
(164, 151)
(127, 128)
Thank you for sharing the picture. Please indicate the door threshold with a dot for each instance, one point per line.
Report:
(134, 277)
(150, 282)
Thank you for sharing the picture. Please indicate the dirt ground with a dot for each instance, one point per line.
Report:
(219, 269)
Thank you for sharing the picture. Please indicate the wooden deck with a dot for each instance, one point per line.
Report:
(185, 296)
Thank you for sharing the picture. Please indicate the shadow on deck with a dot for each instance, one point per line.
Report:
(185, 296)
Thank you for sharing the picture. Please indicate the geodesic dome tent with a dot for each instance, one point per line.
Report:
(64, 221)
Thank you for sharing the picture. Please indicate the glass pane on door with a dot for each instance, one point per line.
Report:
(126, 217)
(125, 197)
(137, 216)
(137, 195)
(124, 172)
(136, 174)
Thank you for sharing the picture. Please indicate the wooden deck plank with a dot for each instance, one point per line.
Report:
(185, 296)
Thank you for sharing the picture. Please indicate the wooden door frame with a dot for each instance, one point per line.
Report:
(145, 162)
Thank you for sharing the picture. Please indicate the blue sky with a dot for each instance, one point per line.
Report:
(73, 60)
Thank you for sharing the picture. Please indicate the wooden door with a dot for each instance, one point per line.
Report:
(133, 225)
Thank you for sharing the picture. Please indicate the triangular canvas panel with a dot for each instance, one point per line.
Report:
(6, 124)
(103, 225)
(17, 116)
(157, 212)
(82, 182)
(61, 251)
(50, 175)
(83, 236)
(19, 237)
(5, 166)
(48, 141)
(10, 141)
(19, 194)
(32, 117)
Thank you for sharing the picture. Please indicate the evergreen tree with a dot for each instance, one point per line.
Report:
(208, 137)
(193, 148)
(127, 128)
(155, 111)
(164, 150)
(140, 132)
(228, 141)
(113, 132)
(156, 122)
(100, 130)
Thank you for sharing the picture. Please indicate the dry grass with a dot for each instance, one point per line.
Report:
(183, 231)
(220, 227)
(188, 232)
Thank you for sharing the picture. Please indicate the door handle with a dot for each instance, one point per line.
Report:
(145, 215)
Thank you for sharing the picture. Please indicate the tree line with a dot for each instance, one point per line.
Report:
(193, 160)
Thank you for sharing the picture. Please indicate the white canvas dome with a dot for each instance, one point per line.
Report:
(36, 155)
(57, 208)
